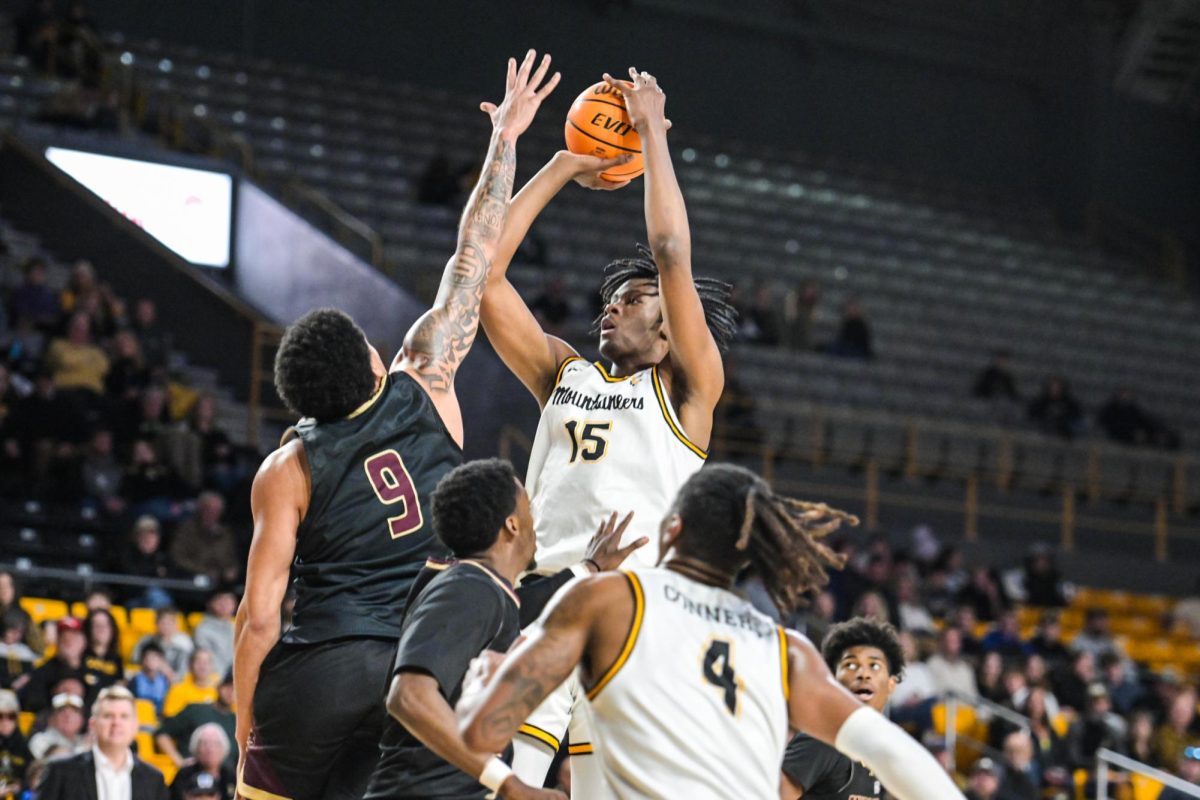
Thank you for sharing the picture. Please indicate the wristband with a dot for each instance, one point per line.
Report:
(594, 563)
(495, 773)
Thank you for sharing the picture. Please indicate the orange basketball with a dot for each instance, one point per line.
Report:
(598, 125)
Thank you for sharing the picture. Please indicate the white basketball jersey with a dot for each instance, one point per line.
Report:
(604, 444)
(696, 705)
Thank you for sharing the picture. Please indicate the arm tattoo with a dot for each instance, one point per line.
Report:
(441, 338)
(524, 686)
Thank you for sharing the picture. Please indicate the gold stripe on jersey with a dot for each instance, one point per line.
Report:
(253, 793)
(666, 412)
(609, 378)
(537, 734)
(635, 627)
(584, 749)
(382, 385)
(783, 663)
(438, 564)
(563, 368)
(508, 590)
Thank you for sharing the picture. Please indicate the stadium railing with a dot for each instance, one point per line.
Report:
(981, 710)
(1106, 760)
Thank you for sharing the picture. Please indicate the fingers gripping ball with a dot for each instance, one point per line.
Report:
(598, 125)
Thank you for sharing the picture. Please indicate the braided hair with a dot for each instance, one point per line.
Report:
(732, 519)
(719, 312)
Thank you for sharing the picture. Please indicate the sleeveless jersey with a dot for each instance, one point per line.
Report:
(604, 444)
(368, 529)
(696, 704)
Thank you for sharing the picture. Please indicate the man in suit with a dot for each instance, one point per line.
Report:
(109, 770)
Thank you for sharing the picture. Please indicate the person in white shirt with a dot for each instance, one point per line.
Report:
(64, 733)
(950, 673)
(214, 633)
(109, 765)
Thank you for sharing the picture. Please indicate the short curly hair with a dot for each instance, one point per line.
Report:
(323, 366)
(471, 503)
(863, 632)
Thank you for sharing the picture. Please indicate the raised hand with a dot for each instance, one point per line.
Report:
(522, 97)
(644, 100)
(585, 170)
(604, 551)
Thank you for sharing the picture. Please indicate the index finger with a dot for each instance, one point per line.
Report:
(624, 523)
(526, 66)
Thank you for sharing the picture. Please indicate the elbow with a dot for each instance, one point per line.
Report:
(667, 249)
(399, 704)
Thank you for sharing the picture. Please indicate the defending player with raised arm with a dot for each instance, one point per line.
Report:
(342, 504)
(692, 692)
(864, 656)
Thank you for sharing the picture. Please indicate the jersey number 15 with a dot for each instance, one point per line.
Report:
(587, 440)
(392, 484)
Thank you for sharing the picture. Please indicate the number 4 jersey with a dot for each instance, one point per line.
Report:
(368, 530)
(604, 444)
(696, 704)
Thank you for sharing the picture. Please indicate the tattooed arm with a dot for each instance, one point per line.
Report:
(584, 625)
(438, 342)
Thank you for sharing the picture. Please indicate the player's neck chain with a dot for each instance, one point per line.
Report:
(699, 571)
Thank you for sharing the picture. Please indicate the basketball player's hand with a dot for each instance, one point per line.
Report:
(522, 95)
(585, 170)
(515, 789)
(644, 100)
(604, 551)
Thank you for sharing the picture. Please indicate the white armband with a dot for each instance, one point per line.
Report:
(495, 773)
(907, 769)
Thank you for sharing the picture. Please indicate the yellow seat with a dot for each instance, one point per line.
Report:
(41, 609)
(1144, 788)
(1137, 626)
(147, 714)
(1060, 724)
(964, 724)
(193, 619)
(142, 620)
(78, 609)
(1111, 601)
(121, 616)
(1151, 650)
(1029, 616)
(25, 721)
(1151, 604)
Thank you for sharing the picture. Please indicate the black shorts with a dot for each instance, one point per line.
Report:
(318, 716)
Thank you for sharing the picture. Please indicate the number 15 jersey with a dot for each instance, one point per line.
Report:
(604, 444)
(368, 531)
(695, 705)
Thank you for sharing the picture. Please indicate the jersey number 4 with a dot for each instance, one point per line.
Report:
(392, 484)
(587, 443)
(718, 670)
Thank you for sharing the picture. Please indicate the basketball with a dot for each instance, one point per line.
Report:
(598, 125)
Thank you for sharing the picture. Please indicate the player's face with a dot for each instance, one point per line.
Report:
(632, 326)
(864, 671)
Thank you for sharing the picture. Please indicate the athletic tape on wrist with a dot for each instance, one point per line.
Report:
(495, 774)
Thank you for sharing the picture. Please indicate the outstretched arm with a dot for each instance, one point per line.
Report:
(698, 376)
(822, 708)
(439, 341)
(531, 354)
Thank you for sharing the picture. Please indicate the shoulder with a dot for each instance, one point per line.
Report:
(146, 770)
(79, 762)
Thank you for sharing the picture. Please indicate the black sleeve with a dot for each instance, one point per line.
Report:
(54, 783)
(810, 763)
(450, 624)
(535, 593)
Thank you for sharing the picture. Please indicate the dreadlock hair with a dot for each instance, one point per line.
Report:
(863, 632)
(323, 366)
(719, 313)
(732, 519)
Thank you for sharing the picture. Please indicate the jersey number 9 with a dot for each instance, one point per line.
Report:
(392, 484)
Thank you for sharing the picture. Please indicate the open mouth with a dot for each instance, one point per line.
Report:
(607, 325)
(863, 693)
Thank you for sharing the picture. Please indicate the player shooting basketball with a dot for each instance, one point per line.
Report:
(622, 434)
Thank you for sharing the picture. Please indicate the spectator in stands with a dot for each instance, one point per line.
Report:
(175, 733)
(76, 364)
(1047, 641)
(1124, 420)
(151, 682)
(127, 374)
(176, 645)
(198, 686)
(1071, 686)
(949, 671)
(1124, 691)
(967, 623)
(816, 620)
(15, 757)
(873, 606)
(209, 746)
(984, 594)
(1049, 748)
(16, 657)
(144, 557)
(64, 729)
(113, 726)
(218, 455)
(1176, 733)
(438, 184)
(799, 308)
(154, 341)
(1056, 411)
(46, 428)
(996, 381)
(1005, 637)
(39, 687)
(100, 475)
(1188, 768)
(854, 335)
(103, 654)
(24, 346)
(203, 545)
(79, 47)
(1022, 777)
(914, 615)
(938, 597)
(146, 416)
(918, 685)
(1042, 581)
(82, 288)
(33, 300)
(1140, 745)
(763, 321)
(1098, 727)
(214, 633)
(10, 602)
(150, 486)
(1096, 636)
(984, 782)
(552, 307)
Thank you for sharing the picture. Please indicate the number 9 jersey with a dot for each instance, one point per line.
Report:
(604, 444)
(695, 705)
(367, 531)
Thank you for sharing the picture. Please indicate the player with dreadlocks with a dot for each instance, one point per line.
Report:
(692, 691)
(624, 433)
